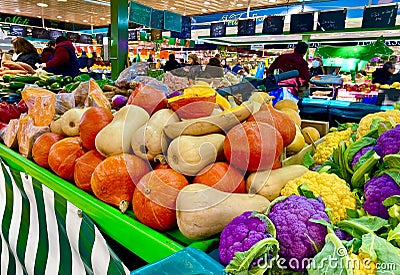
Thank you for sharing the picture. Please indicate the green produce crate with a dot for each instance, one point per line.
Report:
(148, 244)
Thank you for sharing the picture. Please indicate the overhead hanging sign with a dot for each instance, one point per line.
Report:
(246, 27)
(132, 35)
(73, 36)
(331, 20)
(172, 21)
(186, 32)
(54, 34)
(140, 14)
(273, 25)
(156, 35)
(302, 22)
(40, 33)
(86, 39)
(380, 17)
(157, 19)
(218, 29)
(17, 30)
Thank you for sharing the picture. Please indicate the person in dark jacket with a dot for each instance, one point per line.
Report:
(83, 60)
(171, 64)
(48, 51)
(384, 75)
(64, 60)
(25, 52)
(214, 68)
(316, 68)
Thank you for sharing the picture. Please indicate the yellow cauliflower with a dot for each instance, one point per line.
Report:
(361, 264)
(333, 190)
(365, 123)
(331, 141)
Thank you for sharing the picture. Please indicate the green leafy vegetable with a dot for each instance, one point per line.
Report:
(308, 160)
(359, 176)
(353, 246)
(391, 201)
(353, 148)
(392, 161)
(363, 159)
(364, 225)
(306, 192)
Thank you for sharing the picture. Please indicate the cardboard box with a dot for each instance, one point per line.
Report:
(321, 126)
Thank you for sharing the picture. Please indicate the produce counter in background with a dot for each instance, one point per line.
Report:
(143, 241)
(336, 110)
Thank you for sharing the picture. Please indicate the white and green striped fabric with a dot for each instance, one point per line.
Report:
(42, 233)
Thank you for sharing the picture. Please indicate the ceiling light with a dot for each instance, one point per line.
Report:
(67, 20)
(102, 18)
(173, 8)
(43, 5)
(204, 10)
(207, 3)
(38, 16)
(59, 17)
(98, 2)
(84, 20)
(239, 5)
(62, 0)
(17, 10)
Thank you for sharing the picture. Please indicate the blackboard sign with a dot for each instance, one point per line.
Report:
(302, 22)
(379, 17)
(132, 35)
(186, 32)
(273, 25)
(218, 29)
(74, 37)
(140, 14)
(99, 38)
(16, 30)
(40, 33)
(246, 27)
(86, 39)
(172, 21)
(331, 20)
(156, 35)
(54, 34)
(157, 19)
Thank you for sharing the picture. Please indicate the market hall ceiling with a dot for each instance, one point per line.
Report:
(98, 12)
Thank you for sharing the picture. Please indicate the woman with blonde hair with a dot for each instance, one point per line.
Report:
(25, 52)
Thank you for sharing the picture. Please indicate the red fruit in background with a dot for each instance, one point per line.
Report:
(41, 148)
(253, 146)
(223, 177)
(281, 121)
(92, 121)
(148, 97)
(62, 156)
(154, 199)
(84, 168)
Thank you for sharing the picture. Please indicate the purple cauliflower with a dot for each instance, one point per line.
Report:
(359, 154)
(298, 237)
(343, 235)
(388, 142)
(241, 234)
(376, 190)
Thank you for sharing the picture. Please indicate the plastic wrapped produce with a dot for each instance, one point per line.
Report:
(176, 83)
(64, 102)
(129, 74)
(27, 135)
(41, 104)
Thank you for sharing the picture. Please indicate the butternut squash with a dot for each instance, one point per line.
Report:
(190, 154)
(203, 211)
(116, 137)
(269, 183)
(150, 140)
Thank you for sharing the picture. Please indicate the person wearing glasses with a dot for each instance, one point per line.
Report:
(384, 75)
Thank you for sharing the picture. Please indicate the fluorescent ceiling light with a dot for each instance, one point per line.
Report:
(43, 5)
(207, 3)
(173, 8)
(84, 20)
(239, 5)
(17, 10)
(103, 3)
(204, 10)
(102, 18)
(59, 17)
(62, 0)
(38, 16)
(67, 20)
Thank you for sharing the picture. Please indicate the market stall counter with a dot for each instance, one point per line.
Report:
(336, 111)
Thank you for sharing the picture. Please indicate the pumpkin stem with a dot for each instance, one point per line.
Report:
(161, 159)
(123, 206)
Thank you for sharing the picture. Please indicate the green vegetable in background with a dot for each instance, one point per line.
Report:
(16, 85)
(308, 160)
(40, 83)
(26, 79)
(364, 225)
(8, 77)
(82, 78)
(71, 86)
(68, 79)
(55, 86)
(103, 82)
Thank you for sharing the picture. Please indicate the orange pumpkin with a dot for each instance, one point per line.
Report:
(84, 167)
(92, 121)
(253, 146)
(154, 199)
(113, 181)
(148, 97)
(62, 156)
(277, 164)
(223, 177)
(193, 107)
(161, 163)
(281, 121)
(41, 148)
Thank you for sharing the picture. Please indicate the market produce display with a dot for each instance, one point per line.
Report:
(197, 162)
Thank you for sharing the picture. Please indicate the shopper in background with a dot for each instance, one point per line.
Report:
(151, 59)
(171, 64)
(237, 67)
(214, 68)
(182, 62)
(293, 61)
(48, 51)
(83, 60)
(92, 60)
(384, 75)
(193, 59)
(218, 56)
(64, 60)
(25, 52)
(99, 61)
(316, 67)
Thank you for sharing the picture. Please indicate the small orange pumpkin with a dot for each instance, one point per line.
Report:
(113, 181)
(41, 148)
(193, 107)
(92, 121)
(223, 177)
(62, 156)
(84, 167)
(154, 199)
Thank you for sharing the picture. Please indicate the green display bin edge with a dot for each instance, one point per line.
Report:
(148, 244)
